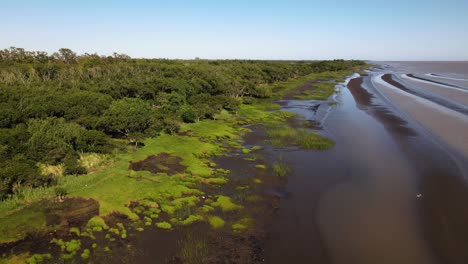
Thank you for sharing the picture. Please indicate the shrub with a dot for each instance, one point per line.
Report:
(97, 224)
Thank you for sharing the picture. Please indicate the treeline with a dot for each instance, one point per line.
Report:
(54, 107)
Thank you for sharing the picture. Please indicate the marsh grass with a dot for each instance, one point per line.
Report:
(280, 169)
(184, 211)
(283, 136)
(193, 249)
(320, 91)
(309, 140)
(216, 222)
(24, 222)
(240, 196)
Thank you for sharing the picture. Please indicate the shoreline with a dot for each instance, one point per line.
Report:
(210, 141)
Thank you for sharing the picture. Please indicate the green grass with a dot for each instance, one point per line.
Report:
(280, 169)
(242, 225)
(281, 88)
(15, 227)
(115, 186)
(193, 249)
(310, 140)
(282, 136)
(164, 225)
(320, 91)
(216, 221)
(225, 204)
(97, 224)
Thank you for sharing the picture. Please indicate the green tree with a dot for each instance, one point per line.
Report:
(53, 138)
(127, 116)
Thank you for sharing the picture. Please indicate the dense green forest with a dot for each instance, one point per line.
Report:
(54, 107)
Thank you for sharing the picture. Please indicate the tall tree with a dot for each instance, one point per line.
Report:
(128, 117)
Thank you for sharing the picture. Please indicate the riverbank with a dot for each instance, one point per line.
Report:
(179, 185)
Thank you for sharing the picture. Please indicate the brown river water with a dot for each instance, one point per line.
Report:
(388, 192)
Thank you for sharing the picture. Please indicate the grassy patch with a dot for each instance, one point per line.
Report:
(216, 221)
(281, 136)
(319, 91)
(280, 169)
(164, 225)
(193, 249)
(242, 225)
(16, 226)
(310, 140)
(225, 204)
(97, 224)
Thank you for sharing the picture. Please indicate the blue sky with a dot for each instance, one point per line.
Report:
(255, 29)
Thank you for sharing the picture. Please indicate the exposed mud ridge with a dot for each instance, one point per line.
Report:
(436, 82)
(364, 102)
(161, 163)
(389, 78)
(72, 212)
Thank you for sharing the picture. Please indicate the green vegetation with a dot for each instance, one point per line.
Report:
(225, 204)
(69, 248)
(38, 258)
(55, 107)
(164, 225)
(242, 225)
(320, 91)
(216, 221)
(280, 168)
(17, 226)
(284, 135)
(260, 166)
(70, 126)
(193, 249)
(97, 224)
(85, 254)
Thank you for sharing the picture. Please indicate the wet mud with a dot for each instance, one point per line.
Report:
(450, 104)
(161, 163)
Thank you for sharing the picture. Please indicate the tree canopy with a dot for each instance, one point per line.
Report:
(55, 106)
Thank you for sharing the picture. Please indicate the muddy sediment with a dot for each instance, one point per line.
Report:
(72, 212)
(448, 99)
(441, 183)
(161, 163)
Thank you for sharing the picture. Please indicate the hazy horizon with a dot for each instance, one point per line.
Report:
(265, 30)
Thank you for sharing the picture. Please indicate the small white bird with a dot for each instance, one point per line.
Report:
(419, 195)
